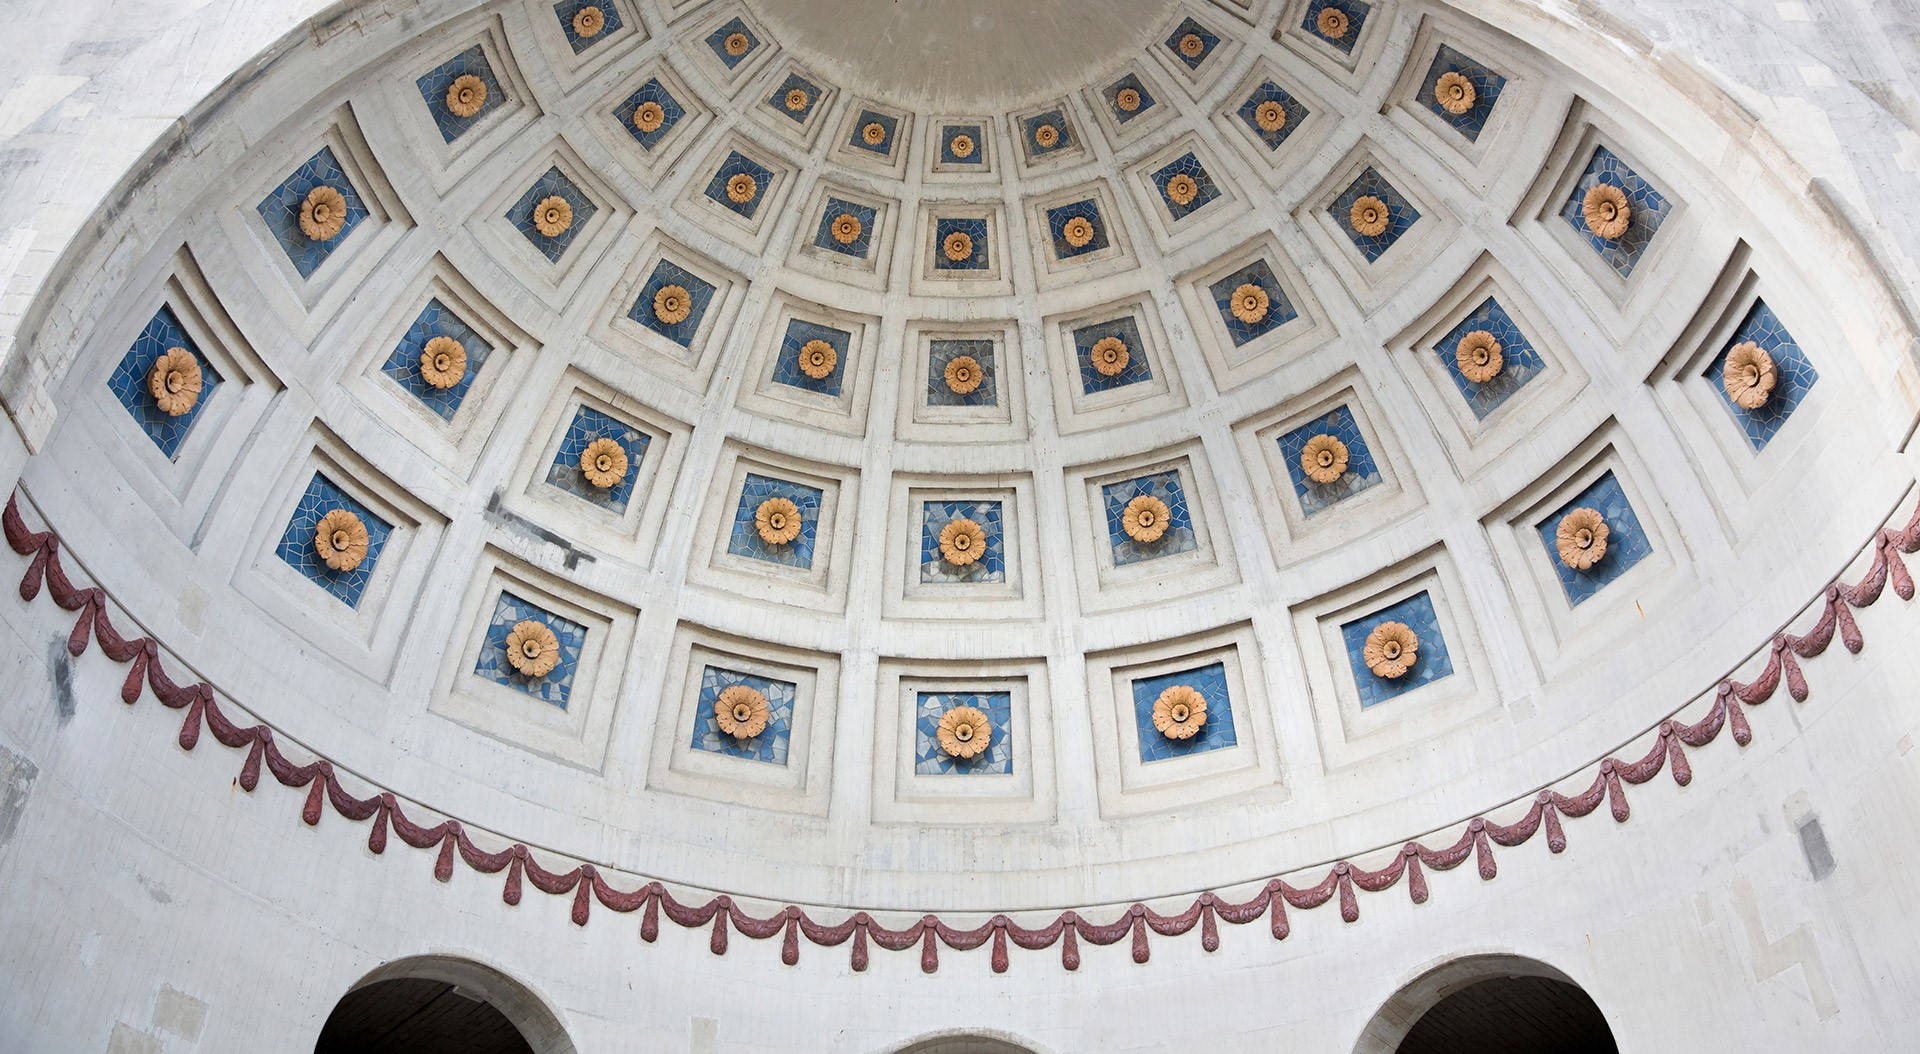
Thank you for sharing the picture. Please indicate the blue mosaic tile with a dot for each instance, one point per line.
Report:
(1030, 133)
(770, 746)
(700, 293)
(1279, 309)
(930, 760)
(1361, 472)
(1401, 215)
(889, 130)
(296, 544)
(717, 40)
(786, 365)
(1627, 542)
(434, 83)
(588, 425)
(1268, 91)
(976, 156)
(1127, 329)
(1131, 83)
(745, 539)
(565, 10)
(1520, 362)
(280, 210)
(1486, 87)
(1204, 188)
(1430, 663)
(861, 243)
(1211, 682)
(1647, 210)
(1166, 486)
(436, 320)
(1794, 375)
(1356, 12)
(941, 352)
(1189, 28)
(1057, 220)
(782, 104)
(670, 112)
(553, 183)
(992, 565)
(557, 686)
(739, 164)
(128, 382)
(975, 229)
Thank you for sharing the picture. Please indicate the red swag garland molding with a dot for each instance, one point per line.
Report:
(588, 885)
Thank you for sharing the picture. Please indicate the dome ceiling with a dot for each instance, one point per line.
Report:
(985, 53)
(981, 457)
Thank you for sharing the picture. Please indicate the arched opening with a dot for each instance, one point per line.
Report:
(433, 1005)
(1489, 1004)
(965, 1043)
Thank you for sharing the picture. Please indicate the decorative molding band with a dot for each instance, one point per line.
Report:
(588, 884)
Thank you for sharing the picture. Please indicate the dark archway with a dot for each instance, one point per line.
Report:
(435, 1005)
(1512, 1015)
(1489, 1004)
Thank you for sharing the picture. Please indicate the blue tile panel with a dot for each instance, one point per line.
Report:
(1401, 215)
(1031, 125)
(1361, 471)
(862, 242)
(1794, 375)
(735, 164)
(717, 40)
(1520, 363)
(1211, 682)
(588, 425)
(890, 130)
(770, 746)
(746, 540)
(566, 9)
(971, 131)
(557, 686)
(1163, 485)
(700, 295)
(280, 211)
(128, 382)
(1279, 309)
(1057, 224)
(1431, 661)
(1208, 41)
(1268, 91)
(1648, 210)
(670, 112)
(992, 565)
(1356, 12)
(1112, 95)
(296, 544)
(436, 320)
(552, 183)
(1138, 369)
(930, 760)
(1188, 165)
(786, 366)
(973, 228)
(778, 100)
(1627, 542)
(942, 352)
(434, 83)
(1486, 87)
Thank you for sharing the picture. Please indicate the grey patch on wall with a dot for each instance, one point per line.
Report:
(498, 513)
(1813, 843)
(62, 666)
(16, 781)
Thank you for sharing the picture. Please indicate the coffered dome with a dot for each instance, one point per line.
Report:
(974, 459)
